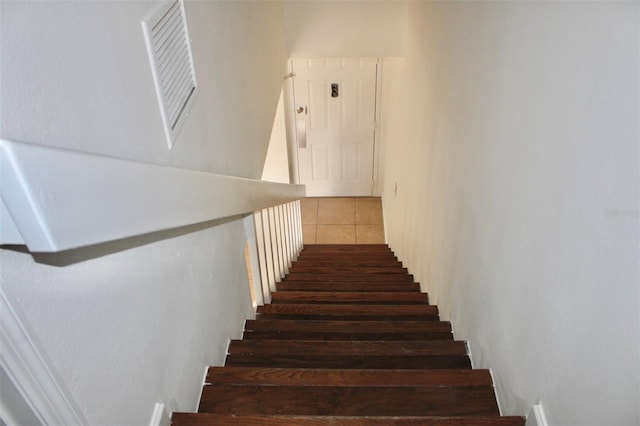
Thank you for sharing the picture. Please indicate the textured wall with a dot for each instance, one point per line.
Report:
(512, 140)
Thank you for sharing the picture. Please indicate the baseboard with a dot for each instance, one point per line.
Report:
(160, 417)
(536, 416)
(28, 369)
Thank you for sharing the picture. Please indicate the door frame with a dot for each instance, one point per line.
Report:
(288, 93)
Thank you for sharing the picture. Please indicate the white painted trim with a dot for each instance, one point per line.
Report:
(376, 189)
(60, 199)
(159, 417)
(31, 373)
(495, 391)
(536, 416)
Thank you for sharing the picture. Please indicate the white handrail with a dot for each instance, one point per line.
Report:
(55, 199)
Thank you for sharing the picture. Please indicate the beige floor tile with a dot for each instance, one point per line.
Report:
(336, 211)
(369, 234)
(336, 234)
(368, 211)
(309, 207)
(308, 234)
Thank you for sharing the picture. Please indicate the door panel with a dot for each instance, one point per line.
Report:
(320, 162)
(335, 103)
(350, 162)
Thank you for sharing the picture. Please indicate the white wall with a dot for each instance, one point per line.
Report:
(276, 163)
(77, 75)
(138, 324)
(513, 137)
(321, 29)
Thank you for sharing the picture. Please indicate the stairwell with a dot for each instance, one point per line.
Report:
(348, 339)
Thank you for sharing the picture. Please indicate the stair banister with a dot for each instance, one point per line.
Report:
(55, 199)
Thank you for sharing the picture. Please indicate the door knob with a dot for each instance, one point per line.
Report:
(300, 110)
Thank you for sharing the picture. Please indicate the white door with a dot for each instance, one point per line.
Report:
(335, 101)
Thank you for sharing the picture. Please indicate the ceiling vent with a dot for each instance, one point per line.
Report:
(169, 47)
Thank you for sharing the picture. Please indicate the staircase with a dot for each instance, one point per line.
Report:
(347, 340)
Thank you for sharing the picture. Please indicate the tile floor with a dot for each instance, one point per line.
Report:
(344, 220)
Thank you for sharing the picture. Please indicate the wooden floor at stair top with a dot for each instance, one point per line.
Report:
(347, 340)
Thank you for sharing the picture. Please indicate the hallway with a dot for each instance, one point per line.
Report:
(344, 220)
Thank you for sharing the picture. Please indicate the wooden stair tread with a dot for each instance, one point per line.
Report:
(319, 335)
(349, 361)
(348, 269)
(209, 419)
(348, 262)
(350, 309)
(347, 377)
(348, 326)
(349, 401)
(347, 286)
(347, 330)
(346, 247)
(348, 296)
(332, 277)
(345, 348)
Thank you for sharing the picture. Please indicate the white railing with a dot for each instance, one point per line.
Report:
(278, 242)
(55, 199)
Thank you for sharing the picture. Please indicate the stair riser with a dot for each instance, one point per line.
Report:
(324, 278)
(346, 297)
(340, 348)
(329, 377)
(336, 269)
(302, 336)
(346, 247)
(348, 286)
(349, 401)
(349, 263)
(353, 310)
(381, 362)
(349, 326)
(207, 419)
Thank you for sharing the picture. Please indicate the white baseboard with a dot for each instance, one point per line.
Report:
(536, 416)
(32, 375)
(159, 417)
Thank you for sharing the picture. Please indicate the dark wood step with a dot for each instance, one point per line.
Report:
(347, 330)
(349, 262)
(346, 247)
(350, 311)
(352, 361)
(331, 277)
(315, 335)
(337, 326)
(347, 286)
(351, 259)
(349, 401)
(209, 419)
(346, 377)
(348, 297)
(345, 348)
(347, 269)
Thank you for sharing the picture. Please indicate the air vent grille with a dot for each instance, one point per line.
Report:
(169, 49)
